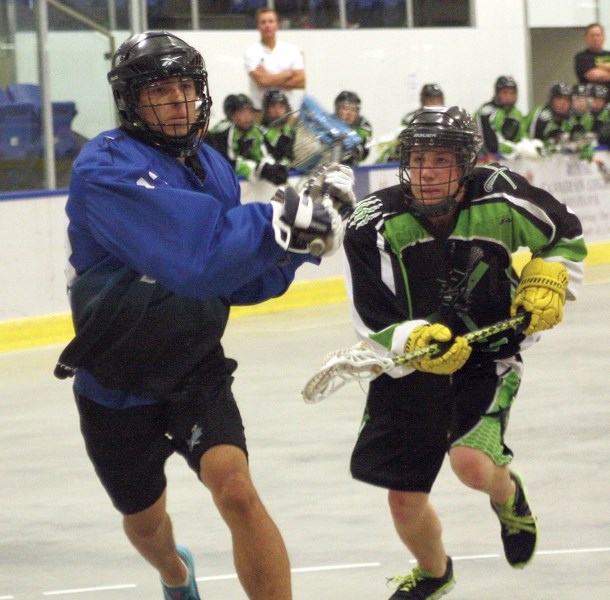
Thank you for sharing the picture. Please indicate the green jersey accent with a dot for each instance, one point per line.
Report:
(487, 435)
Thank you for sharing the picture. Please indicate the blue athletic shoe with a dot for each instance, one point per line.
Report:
(188, 592)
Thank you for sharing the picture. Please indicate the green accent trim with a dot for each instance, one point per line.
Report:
(399, 232)
(488, 435)
(384, 337)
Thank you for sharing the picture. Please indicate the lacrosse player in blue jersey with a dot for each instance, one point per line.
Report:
(159, 249)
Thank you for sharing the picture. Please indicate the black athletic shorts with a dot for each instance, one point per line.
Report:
(128, 447)
(410, 423)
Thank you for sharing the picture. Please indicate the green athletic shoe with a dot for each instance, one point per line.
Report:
(518, 526)
(420, 585)
(188, 592)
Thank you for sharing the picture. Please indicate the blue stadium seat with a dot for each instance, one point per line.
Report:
(24, 92)
(4, 99)
(19, 131)
(66, 144)
(241, 6)
(65, 140)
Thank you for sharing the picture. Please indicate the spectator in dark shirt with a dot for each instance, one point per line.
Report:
(592, 65)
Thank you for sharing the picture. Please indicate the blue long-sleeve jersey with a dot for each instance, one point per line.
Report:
(140, 218)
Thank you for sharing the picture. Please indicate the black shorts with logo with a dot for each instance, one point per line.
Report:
(129, 447)
(410, 423)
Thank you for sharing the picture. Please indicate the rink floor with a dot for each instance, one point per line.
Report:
(60, 537)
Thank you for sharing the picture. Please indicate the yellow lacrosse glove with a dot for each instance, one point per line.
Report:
(542, 293)
(447, 363)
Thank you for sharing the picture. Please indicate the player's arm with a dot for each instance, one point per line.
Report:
(266, 79)
(484, 118)
(600, 73)
(296, 81)
(554, 235)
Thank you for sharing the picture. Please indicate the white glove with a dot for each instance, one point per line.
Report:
(304, 226)
(336, 181)
(530, 148)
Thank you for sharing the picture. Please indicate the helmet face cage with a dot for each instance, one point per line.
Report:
(505, 81)
(560, 89)
(275, 97)
(596, 90)
(580, 99)
(235, 102)
(272, 98)
(438, 129)
(346, 97)
(146, 60)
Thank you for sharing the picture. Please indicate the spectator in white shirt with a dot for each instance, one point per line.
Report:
(272, 63)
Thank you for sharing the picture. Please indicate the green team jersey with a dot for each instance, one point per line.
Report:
(543, 124)
(244, 149)
(398, 269)
(279, 142)
(501, 128)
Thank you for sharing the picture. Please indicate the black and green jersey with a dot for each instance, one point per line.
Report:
(364, 129)
(279, 142)
(543, 124)
(245, 150)
(398, 270)
(501, 128)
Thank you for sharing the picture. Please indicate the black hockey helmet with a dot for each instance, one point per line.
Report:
(347, 97)
(580, 89)
(274, 96)
(560, 89)
(505, 81)
(153, 56)
(234, 102)
(597, 90)
(430, 90)
(439, 127)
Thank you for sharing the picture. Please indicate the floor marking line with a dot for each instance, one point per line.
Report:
(102, 588)
(574, 551)
(539, 553)
(315, 569)
(335, 567)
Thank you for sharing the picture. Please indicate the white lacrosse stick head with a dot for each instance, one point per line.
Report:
(359, 362)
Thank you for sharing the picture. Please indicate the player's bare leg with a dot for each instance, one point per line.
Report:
(477, 471)
(150, 531)
(259, 552)
(419, 528)
(518, 527)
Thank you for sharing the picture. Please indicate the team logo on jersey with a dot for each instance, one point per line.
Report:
(149, 180)
(365, 212)
(196, 434)
(497, 172)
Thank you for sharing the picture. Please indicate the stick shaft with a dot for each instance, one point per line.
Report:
(472, 336)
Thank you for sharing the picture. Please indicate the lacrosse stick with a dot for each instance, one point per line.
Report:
(320, 137)
(361, 363)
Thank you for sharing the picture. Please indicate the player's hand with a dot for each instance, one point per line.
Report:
(451, 359)
(275, 173)
(336, 181)
(542, 293)
(304, 226)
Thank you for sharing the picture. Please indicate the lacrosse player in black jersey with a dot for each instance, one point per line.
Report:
(347, 108)
(428, 260)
